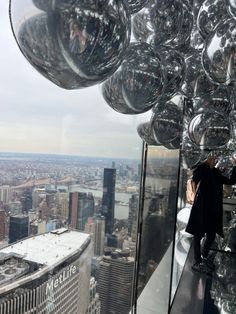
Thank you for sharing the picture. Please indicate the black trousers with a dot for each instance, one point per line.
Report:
(204, 251)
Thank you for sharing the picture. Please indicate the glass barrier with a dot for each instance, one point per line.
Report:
(157, 225)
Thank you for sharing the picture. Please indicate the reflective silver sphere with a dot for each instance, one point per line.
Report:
(210, 130)
(144, 131)
(166, 123)
(143, 76)
(174, 66)
(112, 93)
(210, 15)
(218, 56)
(79, 45)
(172, 21)
(220, 101)
(142, 26)
(196, 82)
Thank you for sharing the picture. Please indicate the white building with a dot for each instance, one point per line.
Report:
(48, 273)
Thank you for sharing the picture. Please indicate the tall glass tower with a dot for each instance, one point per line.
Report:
(108, 198)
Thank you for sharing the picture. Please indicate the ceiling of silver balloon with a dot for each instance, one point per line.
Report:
(173, 57)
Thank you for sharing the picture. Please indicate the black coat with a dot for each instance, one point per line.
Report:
(207, 210)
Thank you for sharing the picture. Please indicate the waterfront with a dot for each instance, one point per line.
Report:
(121, 211)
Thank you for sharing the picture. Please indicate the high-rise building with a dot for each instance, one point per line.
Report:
(133, 215)
(62, 205)
(81, 206)
(115, 283)
(18, 227)
(108, 198)
(96, 227)
(94, 302)
(26, 200)
(99, 235)
(2, 225)
(48, 273)
(5, 194)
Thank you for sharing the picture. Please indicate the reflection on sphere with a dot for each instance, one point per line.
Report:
(191, 158)
(52, 5)
(166, 123)
(172, 21)
(175, 144)
(196, 83)
(175, 71)
(219, 101)
(210, 15)
(225, 165)
(218, 56)
(142, 26)
(232, 7)
(76, 47)
(112, 93)
(136, 5)
(144, 131)
(143, 76)
(209, 130)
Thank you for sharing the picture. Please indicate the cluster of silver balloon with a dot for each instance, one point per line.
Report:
(163, 55)
(182, 65)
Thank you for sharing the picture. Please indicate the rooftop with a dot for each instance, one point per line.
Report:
(49, 248)
(33, 257)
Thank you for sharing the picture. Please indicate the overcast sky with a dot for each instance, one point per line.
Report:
(38, 116)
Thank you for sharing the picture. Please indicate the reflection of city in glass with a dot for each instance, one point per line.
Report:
(43, 193)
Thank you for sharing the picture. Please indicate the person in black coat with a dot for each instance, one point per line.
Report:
(206, 217)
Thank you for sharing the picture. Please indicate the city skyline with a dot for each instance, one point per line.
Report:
(39, 117)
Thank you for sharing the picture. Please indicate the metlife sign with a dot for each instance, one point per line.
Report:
(61, 278)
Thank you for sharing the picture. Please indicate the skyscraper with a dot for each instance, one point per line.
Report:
(18, 228)
(115, 283)
(108, 198)
(96, 227)
(133, 214)
(81, 206)
(5, 194)
(94, 302)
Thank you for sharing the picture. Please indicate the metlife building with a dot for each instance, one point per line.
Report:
(48, 273)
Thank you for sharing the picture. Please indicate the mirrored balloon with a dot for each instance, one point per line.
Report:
(220, 101)
(209, 130)
(142, 26)
(166, 124)
(75, 47)
(174, 66)
(210, 15)
(112, 93)
(172, 21)
(196, 82)
(144, 131)
(192, 157)
(143, 76)
(218, 56)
